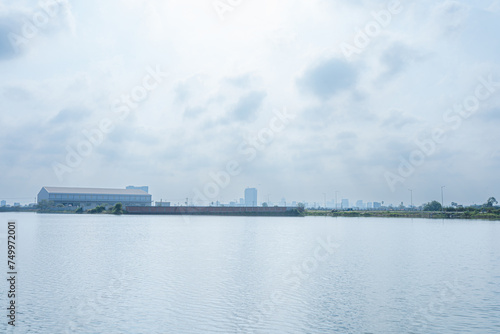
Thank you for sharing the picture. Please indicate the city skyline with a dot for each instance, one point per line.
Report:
(376, 98)
(279, 200)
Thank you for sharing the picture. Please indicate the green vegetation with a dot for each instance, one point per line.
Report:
(490, 202)
(98, 209)
(17, 209)
(433, 206)
(430, 210)
(117, 209)
(449, 213)
(45, 205)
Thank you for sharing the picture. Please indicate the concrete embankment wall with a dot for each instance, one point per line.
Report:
(210, 210)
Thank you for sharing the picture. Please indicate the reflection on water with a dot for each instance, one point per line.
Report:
(173, 274)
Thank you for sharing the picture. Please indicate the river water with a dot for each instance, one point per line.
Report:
(197, 274)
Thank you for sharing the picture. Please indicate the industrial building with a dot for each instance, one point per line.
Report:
(89, 198)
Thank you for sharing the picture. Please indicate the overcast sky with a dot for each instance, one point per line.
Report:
(295, 98)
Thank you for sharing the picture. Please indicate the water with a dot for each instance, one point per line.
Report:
(174, 274)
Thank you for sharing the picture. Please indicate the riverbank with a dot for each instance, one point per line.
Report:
(325, 213)
(406, 214)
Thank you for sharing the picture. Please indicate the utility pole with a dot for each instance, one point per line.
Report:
(324, 197)
(442, 198)
(411, 199)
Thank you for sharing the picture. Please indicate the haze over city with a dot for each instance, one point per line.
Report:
(297, 99)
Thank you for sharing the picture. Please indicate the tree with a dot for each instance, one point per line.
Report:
(98, 209)
(433, 206)
(117, 209)
(301, 207)
(491, 202)
(265, 205)
(45, 205)
(79, 210)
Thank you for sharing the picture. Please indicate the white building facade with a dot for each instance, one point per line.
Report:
(89, 198)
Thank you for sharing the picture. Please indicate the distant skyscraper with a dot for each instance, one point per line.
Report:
(377, 205)
(360, 205)
(143, 188)
(250, 197)
(345, 203)
(3, 203)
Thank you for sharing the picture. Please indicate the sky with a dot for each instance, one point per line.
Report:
(200, 99)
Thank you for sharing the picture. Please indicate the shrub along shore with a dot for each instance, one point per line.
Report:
(449, 213)
(469, 214)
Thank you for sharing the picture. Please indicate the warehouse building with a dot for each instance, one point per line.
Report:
(89, 198)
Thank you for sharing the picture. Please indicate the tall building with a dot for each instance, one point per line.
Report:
(89, 198)
(377, 205)
(345, 203)
(250, 197)
(3, 203)
(360, 205)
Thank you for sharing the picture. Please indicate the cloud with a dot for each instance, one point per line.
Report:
(397, 58)
(326, 79)
(20, 25)
(7, 26)
(193, 112)
(16, 94)
(70, 115)
(247, 106)
(240, 81)
(398, 119)
(450, 15)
